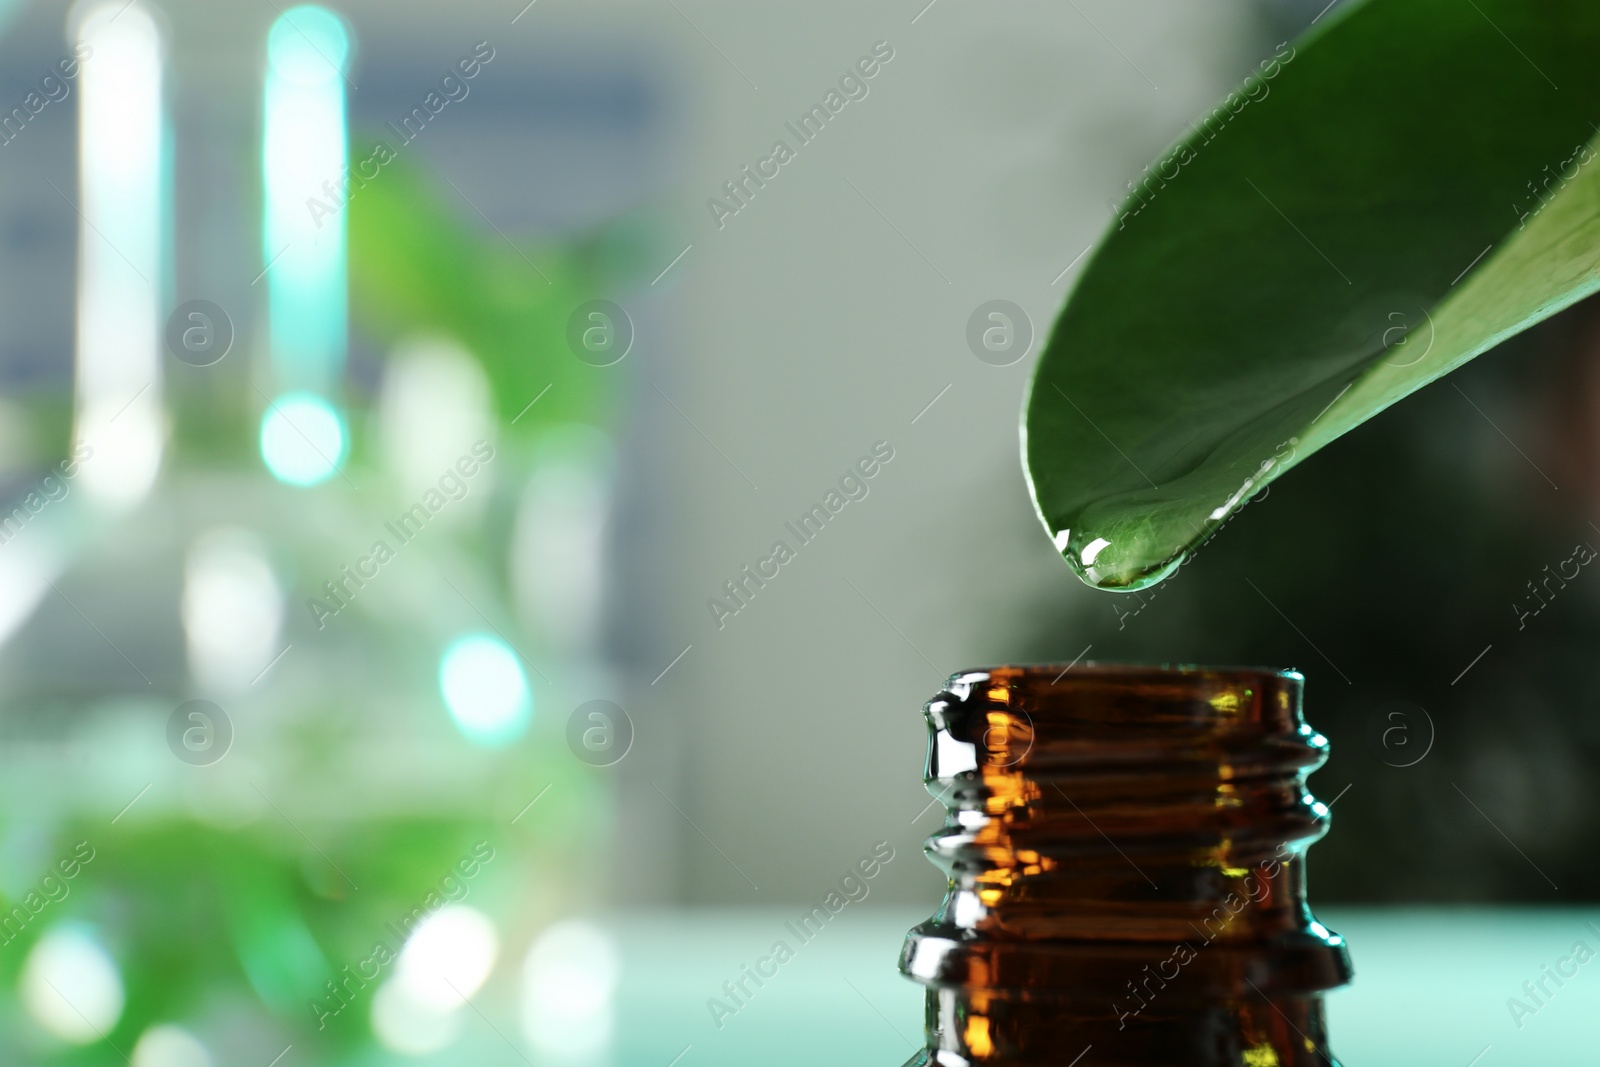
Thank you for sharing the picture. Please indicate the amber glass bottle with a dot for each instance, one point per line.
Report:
(1126, 855)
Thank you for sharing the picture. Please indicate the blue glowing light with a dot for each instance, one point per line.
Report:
(303, 174)
(302, 439)
(485, 689)
(308, 45)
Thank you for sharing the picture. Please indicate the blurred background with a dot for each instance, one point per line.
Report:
(401, 403)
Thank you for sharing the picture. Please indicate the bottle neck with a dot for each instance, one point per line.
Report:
(1125, 850)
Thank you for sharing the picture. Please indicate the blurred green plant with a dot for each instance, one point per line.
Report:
(258, 912)
(415, 267)
(1392, 195)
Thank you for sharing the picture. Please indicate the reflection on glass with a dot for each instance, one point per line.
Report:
(120, 250)
(303, 251)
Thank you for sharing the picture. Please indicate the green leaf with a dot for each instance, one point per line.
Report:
(1397, 192)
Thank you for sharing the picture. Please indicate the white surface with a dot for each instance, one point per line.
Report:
(1430, 991)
